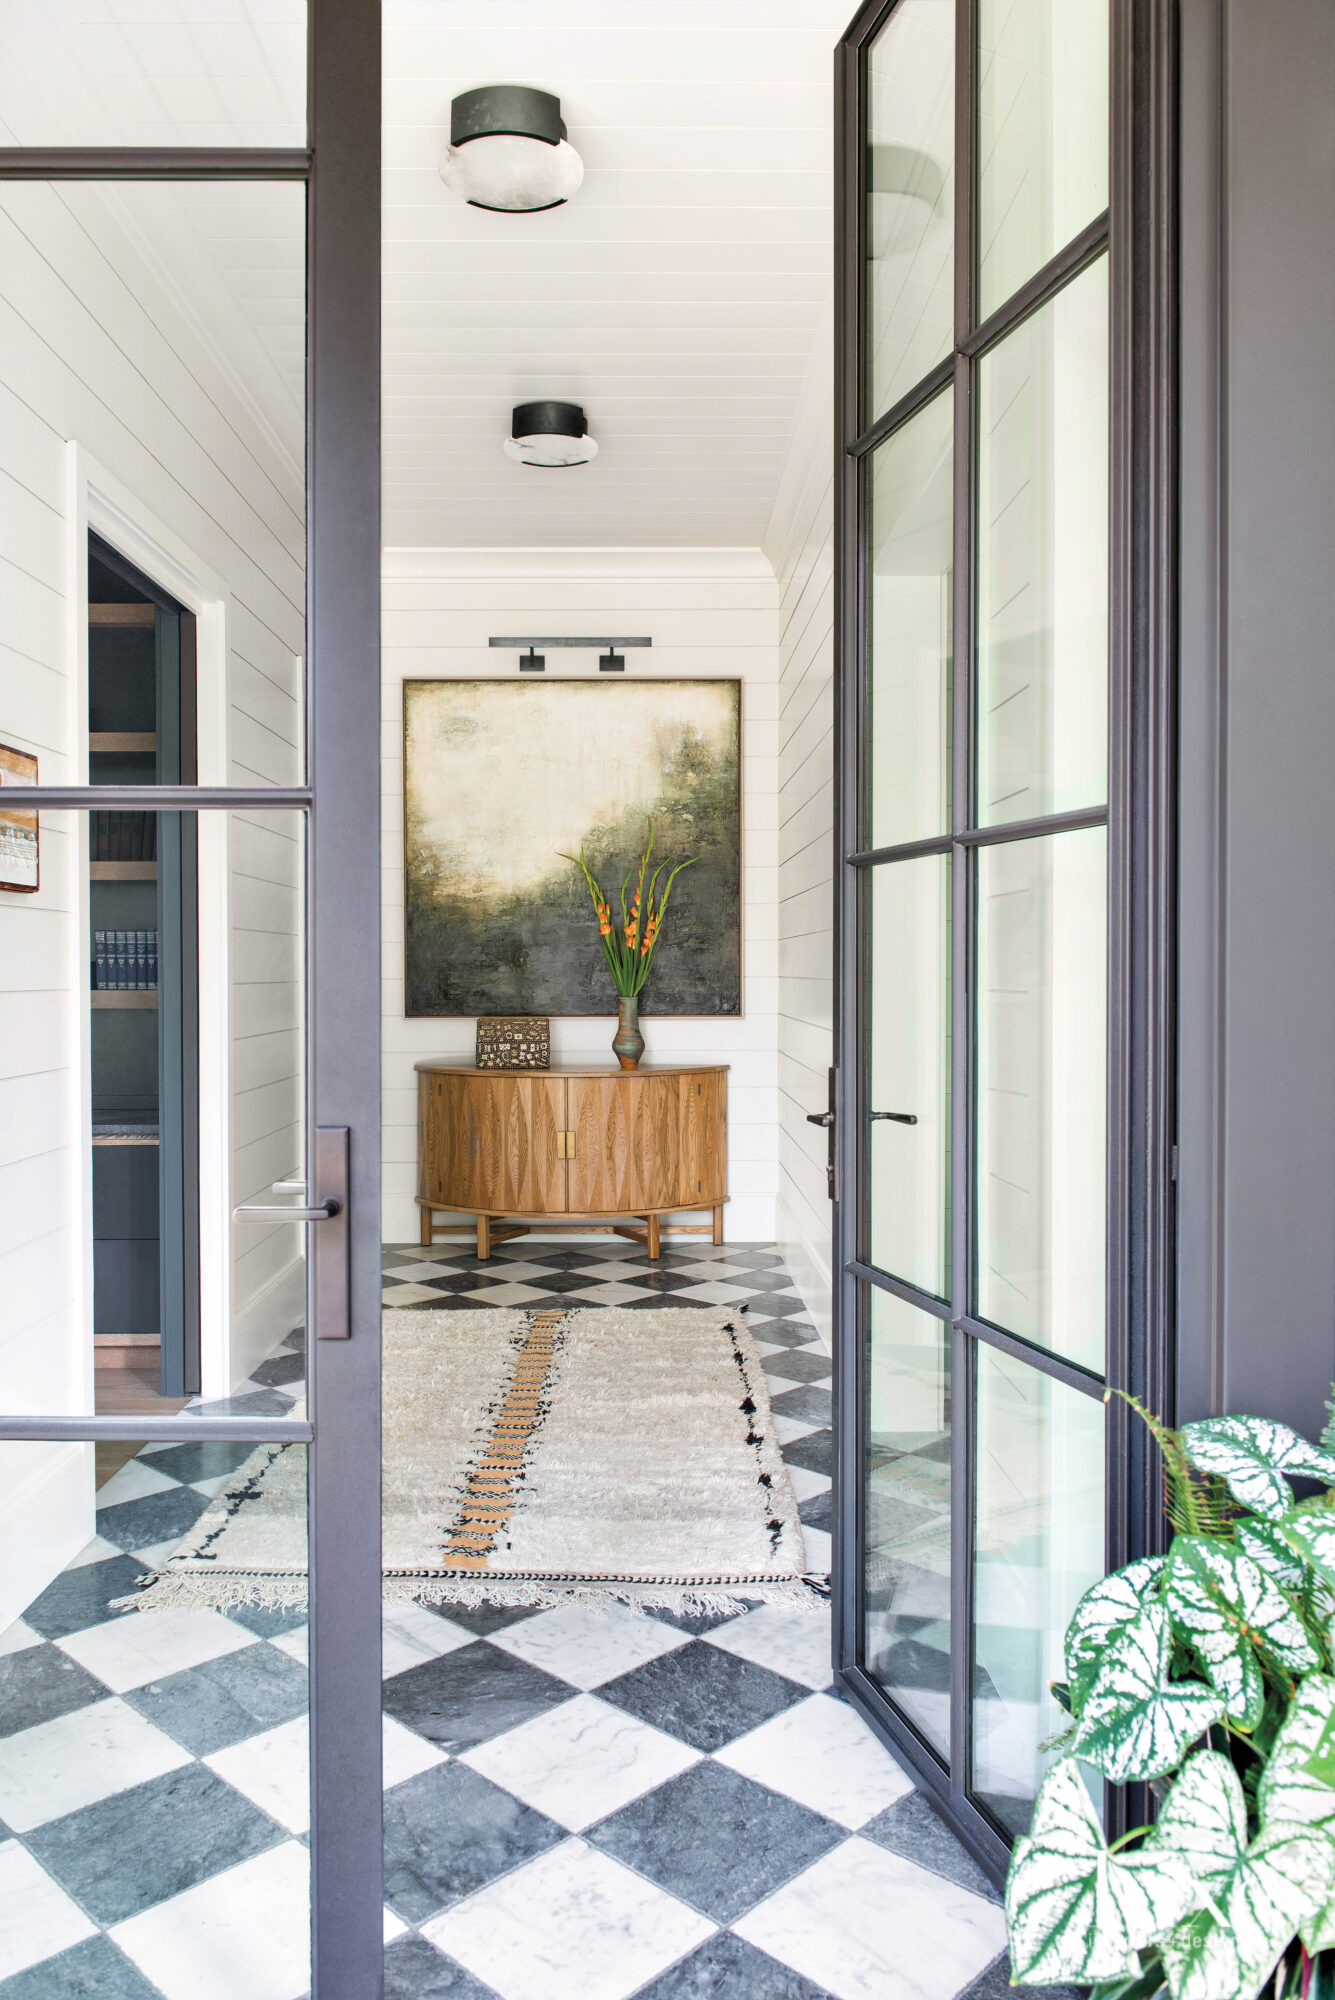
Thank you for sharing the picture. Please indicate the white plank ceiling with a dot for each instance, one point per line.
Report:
(677, 296)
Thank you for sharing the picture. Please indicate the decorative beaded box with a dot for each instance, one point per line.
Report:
(520, 1041)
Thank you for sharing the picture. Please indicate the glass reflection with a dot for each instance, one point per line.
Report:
(1043, 560)
(910, 198)
(1042, 1081)
(909, 1071)
(1039, 1546)
(908, 1512)
(1042, 135)
(910, 632)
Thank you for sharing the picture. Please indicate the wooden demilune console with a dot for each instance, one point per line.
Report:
(618, 1147)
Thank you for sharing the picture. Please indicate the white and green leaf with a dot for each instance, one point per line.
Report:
(1073, 1909)
(1228, 1950)
(1264, 1542)
(1226, 1605)
(1136, 1722)
(1310, 1533)
(1252, 1456)
(1204, 1819)
(1105, 1610)
(1291, 1789)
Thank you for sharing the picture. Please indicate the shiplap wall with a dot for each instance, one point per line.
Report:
(710, 613)
(800, 544)
(92, 350)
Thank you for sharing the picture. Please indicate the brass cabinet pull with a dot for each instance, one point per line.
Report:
(565, 1145)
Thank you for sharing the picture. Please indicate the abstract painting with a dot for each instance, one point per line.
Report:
(18, 830)
(500, 777)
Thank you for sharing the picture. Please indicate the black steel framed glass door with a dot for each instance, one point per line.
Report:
(983, 922)
(191, 382)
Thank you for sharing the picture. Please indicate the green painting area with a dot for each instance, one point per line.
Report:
(538, 952)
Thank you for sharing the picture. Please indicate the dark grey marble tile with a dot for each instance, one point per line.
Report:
(463, 1281)
(728, 1969)
(716, 1839)
(39, 1684)
(158, 1517)
(995, 1984)
(415, 1970)
(264, 1621)
(778, 1306)
(470, 1695)
(188, 1462)
(481, 1619)
(139, 1847)
(81, 1597)
(777, 1332)
(818, 1512)
(448, 1832)
(257, 1403)
(814, 1453)
(280, 1370)
(807, 1405)
(652, 1279)
(798, 1364)
(694, 1622)
(701, 1695)
(225, 1700)
(93, 1970)
(912, 1828)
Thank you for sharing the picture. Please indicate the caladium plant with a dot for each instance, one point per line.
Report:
(1209, 1675)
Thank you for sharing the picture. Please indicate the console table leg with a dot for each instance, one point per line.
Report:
(718, 1224)
(483, 1237)
(655, 1247)
(427, 1219)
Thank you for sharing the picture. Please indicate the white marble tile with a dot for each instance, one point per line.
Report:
(394, 1926)
(868, 1925)
(296, 1643)
(404, 1753)
(503, 1295)
(212, 1487)
(821, 1753)
(95, 1551)
(17, 1638)
(516, 1268)
(790, 1429)
(157, 1553)
(572, 1925)
(37, 1918)
(246, 1931)
(406, 1295)
(148, 1645)
(806, 1485)
(410, 1634)
(717, 1271)
(410, 1274)
(273, 1770)
(77, 1759)
(581, 1761)
(608, 1293)
(793, 1643)
(132, 1481)
(587, 1647)
(612, 1268)
(714, 1293)
(819, 1550)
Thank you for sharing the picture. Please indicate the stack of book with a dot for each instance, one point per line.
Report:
(125, 961)
(124, 836)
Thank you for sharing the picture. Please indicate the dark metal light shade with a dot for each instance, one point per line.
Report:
(549, 434)
(508, 149)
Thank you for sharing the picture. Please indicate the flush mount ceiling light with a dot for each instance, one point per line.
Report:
(906, 189)
(550, 434)
(508, 149)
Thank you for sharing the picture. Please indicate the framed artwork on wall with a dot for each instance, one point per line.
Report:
(19, 870)
(501, 777)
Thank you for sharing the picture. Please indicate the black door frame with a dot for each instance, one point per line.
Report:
(340, 167)
(1139, 232)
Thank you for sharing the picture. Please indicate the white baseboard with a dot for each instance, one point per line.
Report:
(46, 1517)
(809, 1265)
(264, 1324)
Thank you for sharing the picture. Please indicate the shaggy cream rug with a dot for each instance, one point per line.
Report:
(536, 1456)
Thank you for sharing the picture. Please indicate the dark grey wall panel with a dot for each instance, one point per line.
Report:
(1257, 967)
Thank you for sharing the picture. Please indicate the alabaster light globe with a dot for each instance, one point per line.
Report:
(508, 150)
(549, 434)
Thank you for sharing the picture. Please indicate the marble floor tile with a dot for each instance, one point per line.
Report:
(406, 1295)
(81, 1597)
(468, 1695)
(715, 1839)
(61, 1766)
(726, 1968)
(246, 1931)
(38, 1683)
(703, 1695)
(404, 1754)
(134, 1479)
(800, 1364)
(424, 1268)
(295, 1643)
(143, 1646)
(504, 1295)
(37, 1918)
(789, 1429)
(151, 1520)
(572, 1925)
(823, 1754)
(810, 1404)
(819, 1550)
(96, 1967)
(813, 1453)
(806, 1485)
(415, 1970)
(142, 1846)
(715, 1293)
(227, 1699)
(914, 1829)
(587, 1647)
(579, 1762)
(448, 1833)
(870, 1926)
(410, 1634)
(607, 1293)
(795, 1644)
(273, 1771)
(17, 1638)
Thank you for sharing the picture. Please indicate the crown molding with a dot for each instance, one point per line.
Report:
(517, 565)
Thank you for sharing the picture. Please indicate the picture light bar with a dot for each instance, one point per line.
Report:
(610, 661)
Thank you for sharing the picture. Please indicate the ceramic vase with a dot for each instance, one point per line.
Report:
(628, 1042)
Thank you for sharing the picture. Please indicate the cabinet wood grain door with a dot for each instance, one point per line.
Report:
(496, 1139)
(643, 1142)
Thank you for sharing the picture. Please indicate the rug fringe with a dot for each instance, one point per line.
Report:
(164, 1592)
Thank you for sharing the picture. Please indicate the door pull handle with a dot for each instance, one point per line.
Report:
(331, 1317)
(899, 1117)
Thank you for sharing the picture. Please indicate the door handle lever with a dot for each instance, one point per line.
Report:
(899, 1117)
(262, 1212)
(825, 1118)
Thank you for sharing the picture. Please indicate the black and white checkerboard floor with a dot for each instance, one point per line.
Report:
(575, 1805)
